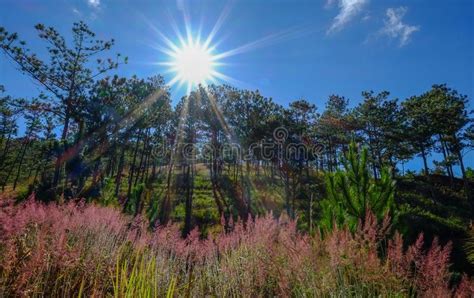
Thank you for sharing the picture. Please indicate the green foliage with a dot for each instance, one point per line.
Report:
(470, 173)
(204, 212)
(137, 274)
(107, 194)
(135, 199)
(379, 124)
(152, 212)
(352, 192)
(435, 207)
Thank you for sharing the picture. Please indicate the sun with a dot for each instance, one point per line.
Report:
(193, 64)
(193, 61)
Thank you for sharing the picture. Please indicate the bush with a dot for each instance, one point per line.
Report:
(77, 249)
(352, 192)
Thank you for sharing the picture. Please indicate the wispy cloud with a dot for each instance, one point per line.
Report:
(76, 11)
(348, 10)
(94, 3)
(395, 28)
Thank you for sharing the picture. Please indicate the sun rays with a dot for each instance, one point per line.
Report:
(192, 63)
(192, 59)
(196, 60)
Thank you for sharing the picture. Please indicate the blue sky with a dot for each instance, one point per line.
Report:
(307, 49)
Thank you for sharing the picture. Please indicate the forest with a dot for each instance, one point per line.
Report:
(109, 188)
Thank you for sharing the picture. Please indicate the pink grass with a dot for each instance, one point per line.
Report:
(57, 250)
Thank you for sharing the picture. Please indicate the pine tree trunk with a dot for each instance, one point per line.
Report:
(142, 156)
(6, 149)
(20, 164)
(118, 177)
(132, 168)
(445, 156)
(166, 204)
(58, 164)
(425, 162)
(10, 170)
(464, 177)
(145, 176)
(189, 200)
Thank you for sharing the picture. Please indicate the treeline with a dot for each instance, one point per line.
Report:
(91, 132)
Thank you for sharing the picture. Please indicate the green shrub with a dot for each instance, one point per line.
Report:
(352, 192)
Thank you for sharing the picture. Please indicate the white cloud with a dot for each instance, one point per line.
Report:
(348, 10)
(395, 28)
(76, 11)
(94, 3)
(329, 3)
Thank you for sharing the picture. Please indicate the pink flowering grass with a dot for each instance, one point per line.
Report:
(76, 249)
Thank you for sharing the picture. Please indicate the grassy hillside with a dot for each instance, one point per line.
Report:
(437, 207)
(433, 205)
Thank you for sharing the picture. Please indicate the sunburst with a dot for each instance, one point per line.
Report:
(192, 62)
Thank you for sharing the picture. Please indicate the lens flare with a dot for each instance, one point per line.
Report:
(193, 63)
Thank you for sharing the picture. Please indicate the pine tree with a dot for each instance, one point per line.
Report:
(420, 131)
(68, 74)
(352, 192)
